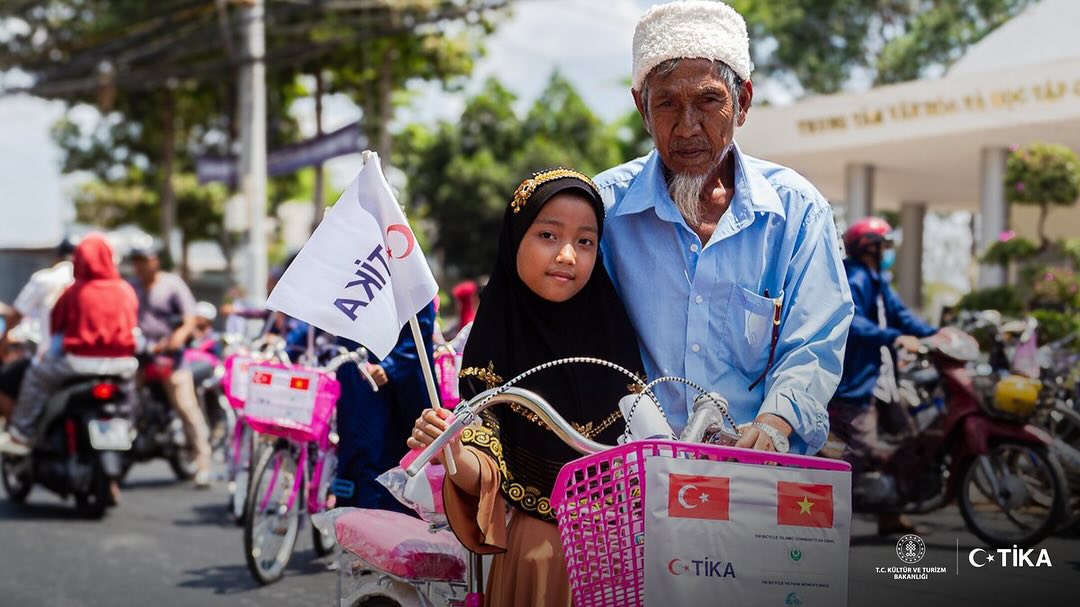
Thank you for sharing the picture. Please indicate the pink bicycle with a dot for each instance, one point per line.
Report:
(600, 498)
(292, 409)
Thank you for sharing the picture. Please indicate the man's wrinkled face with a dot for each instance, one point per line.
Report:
(692, 115)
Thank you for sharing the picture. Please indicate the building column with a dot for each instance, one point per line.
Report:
(994, 216)
(858, 191)
(909, 257)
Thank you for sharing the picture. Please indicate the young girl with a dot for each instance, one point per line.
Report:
(549, 297)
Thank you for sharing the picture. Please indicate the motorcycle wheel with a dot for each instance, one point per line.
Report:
(1029, 502)
(270, 526)
(97, 500)
(16, 487)
(183, 463)
(1063, 423)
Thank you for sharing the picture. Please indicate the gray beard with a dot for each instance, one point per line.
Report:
(685, 191)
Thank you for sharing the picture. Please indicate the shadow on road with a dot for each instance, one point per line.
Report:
(233, 579)
(40, 512)
(214, 515)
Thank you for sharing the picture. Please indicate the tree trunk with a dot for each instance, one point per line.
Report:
(317, 201)
(168, 161)
(185, 271)
(1044, 242)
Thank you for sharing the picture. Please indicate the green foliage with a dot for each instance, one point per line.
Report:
(1043, 173)
(1054, 325)
(463, 174)
(1003, 299)
(1056, 287)
(1004, 252)
(819, 45)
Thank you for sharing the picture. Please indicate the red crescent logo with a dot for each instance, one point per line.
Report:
(671, 567)
(410, 240)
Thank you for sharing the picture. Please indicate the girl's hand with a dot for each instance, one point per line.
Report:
(429, 426)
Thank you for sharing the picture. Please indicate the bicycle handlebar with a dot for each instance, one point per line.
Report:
(357, 357)
(467, 412)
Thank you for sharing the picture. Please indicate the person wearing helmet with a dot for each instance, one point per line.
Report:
(27, 319)
(882, 323)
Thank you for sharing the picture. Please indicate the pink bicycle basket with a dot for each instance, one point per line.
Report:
(290, 401)
(234, 381)
(599, 503)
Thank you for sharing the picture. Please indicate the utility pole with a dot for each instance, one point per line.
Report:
(252, 98)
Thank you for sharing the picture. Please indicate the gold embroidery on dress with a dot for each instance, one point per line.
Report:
(588, 429)
(488, 375)
(527, 497)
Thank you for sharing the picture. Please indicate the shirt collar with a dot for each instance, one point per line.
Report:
(753, 192)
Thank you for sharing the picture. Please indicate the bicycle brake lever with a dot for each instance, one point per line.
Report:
(417, 459)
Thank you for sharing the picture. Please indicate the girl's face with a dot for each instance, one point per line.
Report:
(557, 254)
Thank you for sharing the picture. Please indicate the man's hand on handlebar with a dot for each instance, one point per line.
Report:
(754, 438)
(428, 427)
(908, 343)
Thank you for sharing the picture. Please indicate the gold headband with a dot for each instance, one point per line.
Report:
(527, 187)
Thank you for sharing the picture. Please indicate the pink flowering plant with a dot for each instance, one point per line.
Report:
(1043, 174)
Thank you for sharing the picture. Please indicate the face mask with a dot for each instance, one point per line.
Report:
(888, 258)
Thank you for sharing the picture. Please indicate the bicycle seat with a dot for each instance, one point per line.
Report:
(402, 546)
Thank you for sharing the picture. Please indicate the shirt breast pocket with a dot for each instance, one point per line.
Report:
(750, 329)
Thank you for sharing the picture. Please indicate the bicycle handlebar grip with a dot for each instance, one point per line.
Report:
(416, 459)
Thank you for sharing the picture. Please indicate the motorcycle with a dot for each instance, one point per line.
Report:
(1010, 488)
(80, 446)
(160, 432)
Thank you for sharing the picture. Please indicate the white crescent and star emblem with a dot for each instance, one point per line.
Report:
(703, 497)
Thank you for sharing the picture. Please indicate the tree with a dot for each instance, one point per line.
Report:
(163, 72)
(463, 174)
(820, 45)
(1043, 174)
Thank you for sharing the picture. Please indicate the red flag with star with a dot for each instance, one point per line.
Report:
(299, 383)
(702, 497)
(804, 504)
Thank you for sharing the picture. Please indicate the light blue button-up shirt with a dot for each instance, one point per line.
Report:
(705, 312)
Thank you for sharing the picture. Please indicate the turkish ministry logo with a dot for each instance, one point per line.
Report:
(804, 504)
(910, 548)
(701, 497)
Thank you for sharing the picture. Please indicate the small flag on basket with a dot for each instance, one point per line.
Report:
(804, 504)
(362, 274)
(701, 497)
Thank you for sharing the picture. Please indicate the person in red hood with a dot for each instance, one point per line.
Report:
(95, 320)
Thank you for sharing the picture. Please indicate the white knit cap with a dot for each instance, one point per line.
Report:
(691, 29)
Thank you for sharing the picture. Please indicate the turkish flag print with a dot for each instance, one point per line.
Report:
(702, 497)
(261, 378)
(804, 504)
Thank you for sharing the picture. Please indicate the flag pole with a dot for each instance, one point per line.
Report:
(429, 379)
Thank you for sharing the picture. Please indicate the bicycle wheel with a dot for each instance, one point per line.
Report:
(239, 471)
(324, 542)
(270, 525)
(1013, 495)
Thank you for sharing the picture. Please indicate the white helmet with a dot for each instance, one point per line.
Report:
(205, 309)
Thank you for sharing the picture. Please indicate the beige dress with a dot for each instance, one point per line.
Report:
(528, 568)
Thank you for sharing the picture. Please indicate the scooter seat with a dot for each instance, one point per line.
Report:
(401, 545)
(89, 379)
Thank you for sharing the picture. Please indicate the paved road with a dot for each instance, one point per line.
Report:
(168, 544)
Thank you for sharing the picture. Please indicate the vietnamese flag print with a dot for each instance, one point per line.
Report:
(299, 383)
(804, 504)
(700, 497)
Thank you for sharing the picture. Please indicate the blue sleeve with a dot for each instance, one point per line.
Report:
(865, 330)
(902, 319)
(402, 363)
(813, 333)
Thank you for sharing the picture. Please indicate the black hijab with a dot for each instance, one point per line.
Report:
(516, 330)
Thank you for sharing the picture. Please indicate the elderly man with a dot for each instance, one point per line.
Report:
(728, 265)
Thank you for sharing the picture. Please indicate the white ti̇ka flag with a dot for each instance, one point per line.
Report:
(361, 275)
